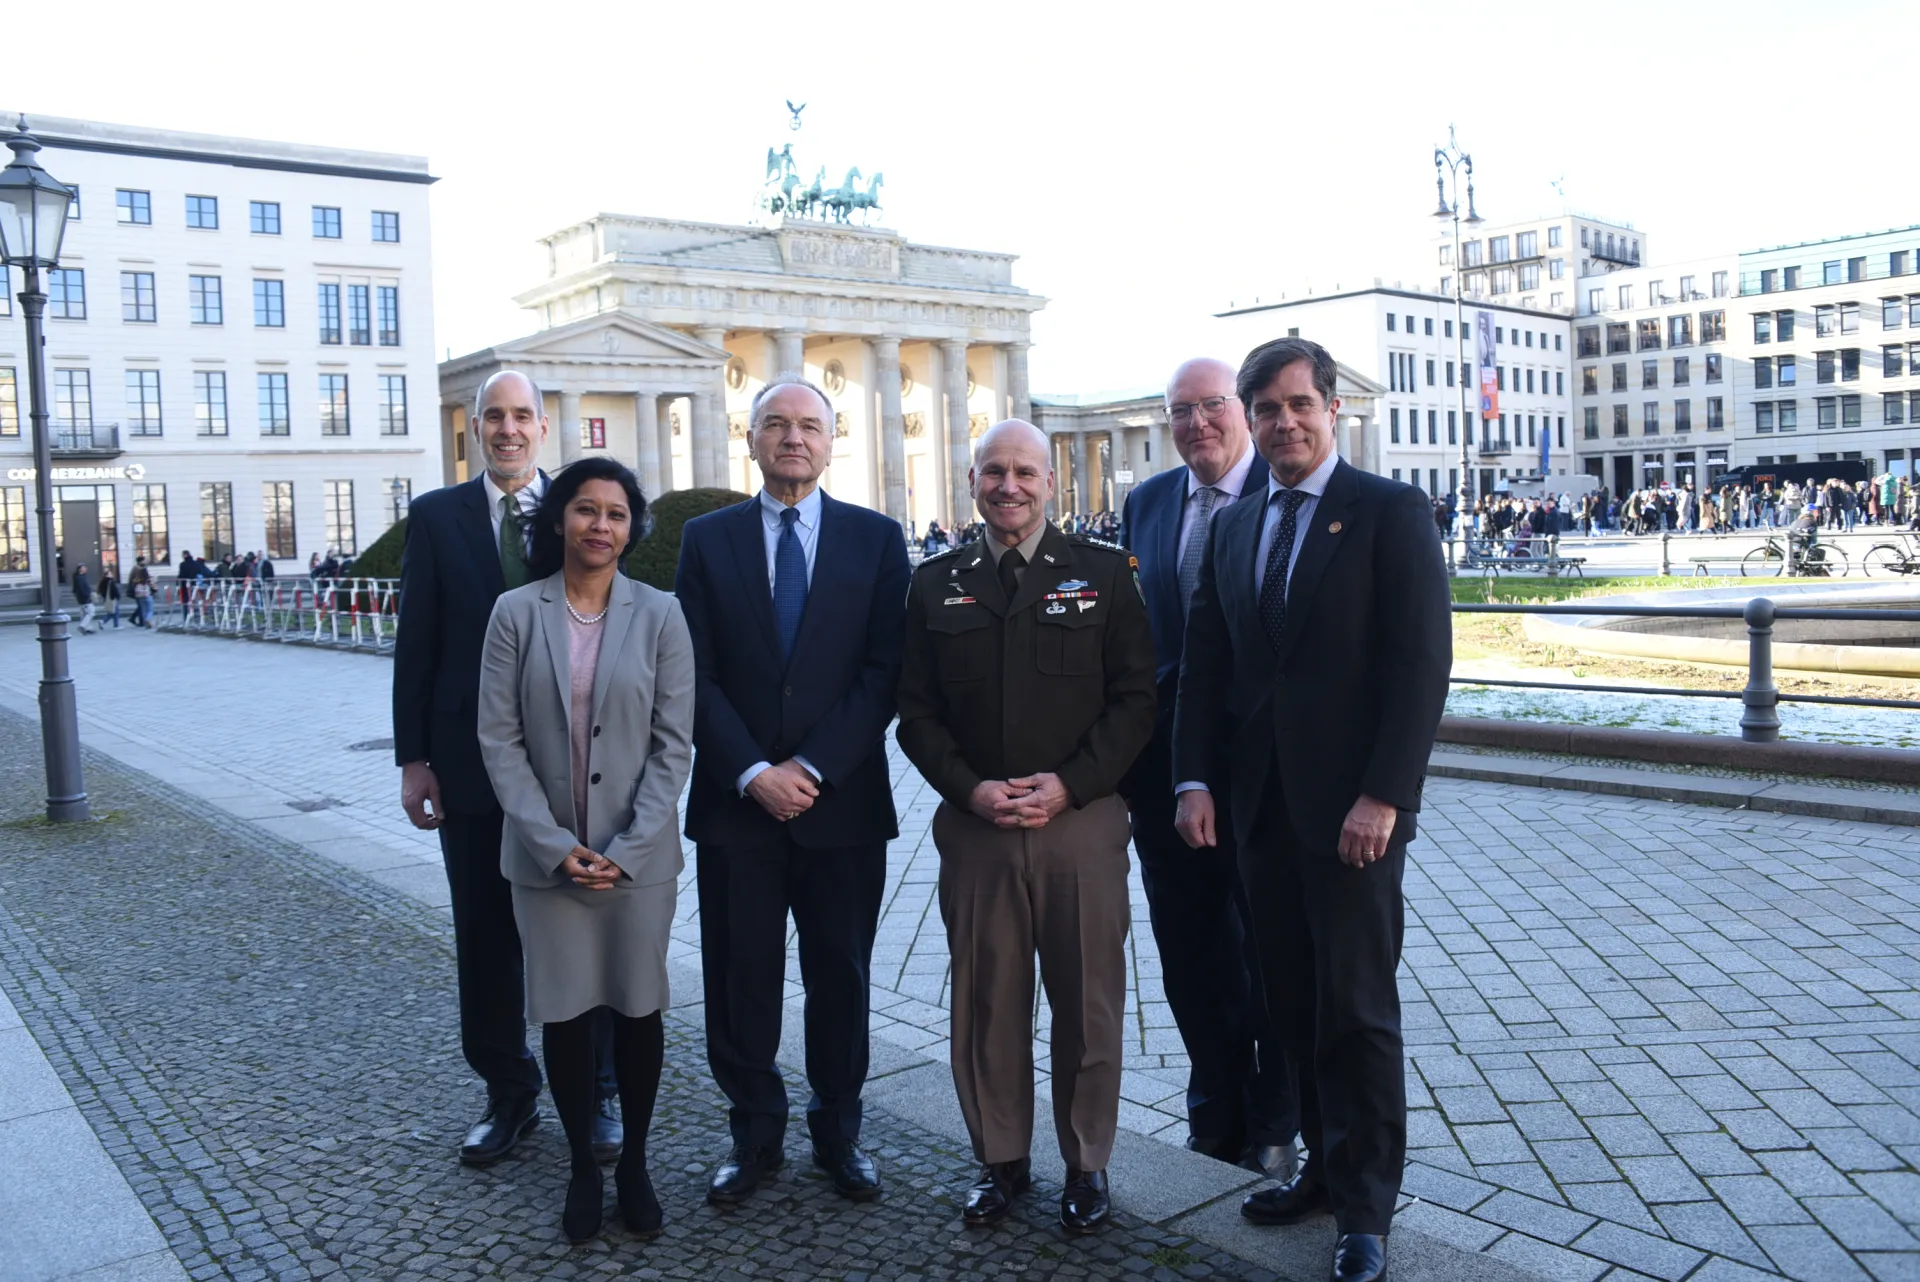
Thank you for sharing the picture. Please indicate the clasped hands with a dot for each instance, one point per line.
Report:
(1363, 837)
(1028, 802)
(785, 790)
(595, 872)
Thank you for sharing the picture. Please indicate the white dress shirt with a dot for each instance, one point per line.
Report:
(528, 496)
(807, 528)
(1229, 487)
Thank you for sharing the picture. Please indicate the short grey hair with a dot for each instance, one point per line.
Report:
(539, 397)
(774, 385)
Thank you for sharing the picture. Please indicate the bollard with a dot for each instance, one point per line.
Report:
(1760, 716)
(1553, 556)
(1453, 563)
(1666, 552)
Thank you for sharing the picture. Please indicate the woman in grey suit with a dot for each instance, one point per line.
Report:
(586, 725)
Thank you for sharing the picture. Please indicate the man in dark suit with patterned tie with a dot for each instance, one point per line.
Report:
(1240, 1090)
(466, 544)
(796, 604)
(1319, 642)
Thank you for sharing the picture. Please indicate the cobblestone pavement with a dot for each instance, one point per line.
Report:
(1646, 1038)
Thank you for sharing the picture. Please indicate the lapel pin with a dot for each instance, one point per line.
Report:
(1047, 557)
(1334, 528)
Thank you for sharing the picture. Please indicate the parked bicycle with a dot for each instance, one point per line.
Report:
(1802, 556)
(1893, 558)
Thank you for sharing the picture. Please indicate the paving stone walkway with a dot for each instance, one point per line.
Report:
(1646, 1039)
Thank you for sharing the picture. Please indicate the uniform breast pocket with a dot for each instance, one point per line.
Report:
(962, 643)
(1068, 645)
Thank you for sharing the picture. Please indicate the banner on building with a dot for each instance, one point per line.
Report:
(1546, 444)
(1489, 374)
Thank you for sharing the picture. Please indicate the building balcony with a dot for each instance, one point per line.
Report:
(1495, 449)
(86, 440)
(1619, 254)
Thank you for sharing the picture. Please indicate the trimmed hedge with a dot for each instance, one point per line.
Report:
(658, 555)
(381, 560)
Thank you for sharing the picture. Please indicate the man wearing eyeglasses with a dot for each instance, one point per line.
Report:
(1241, 1105)
(1314, 672)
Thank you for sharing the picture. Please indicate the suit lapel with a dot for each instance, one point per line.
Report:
(748, 539)
(553, 622)
(476, 525)
(1332, 523)
(975, 575)
(1166, 548)
(1239, 538)
(619, 622)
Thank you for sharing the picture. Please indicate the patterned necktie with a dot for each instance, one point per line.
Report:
(1204, 498)
(789, 580)
(1011, 563)
(1273, 586)
(513, 543)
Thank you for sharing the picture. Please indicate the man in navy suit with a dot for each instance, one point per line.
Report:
(466, 544)
(1319, 642)
(797, 606)
(1241, 1104)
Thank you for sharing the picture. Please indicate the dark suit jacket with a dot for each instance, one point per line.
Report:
(1150, 529)
(1350, 702)
(831, 705)
(449, 579)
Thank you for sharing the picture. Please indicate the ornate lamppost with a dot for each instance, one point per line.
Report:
(33, 218)
(1450, 160)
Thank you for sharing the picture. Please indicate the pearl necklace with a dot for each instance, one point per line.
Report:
(583, 620)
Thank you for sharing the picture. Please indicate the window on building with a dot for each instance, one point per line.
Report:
(136, 297)
(203, 212)
(73, 402)
(210, 402)
(1849, 411)
(1559, 382)
(1763, 327)
(1449, 373)
(334, 419)
(1427, 325)
(67, 293)
(143, 402)
(274, 417)
(1626, 298)
(1453, 427)
(1716, 414)
(1769, 280)
(13, 529)
(1823, 322)
(393, 407)
(1448, 326)
(1849, 364)
(1502, 280)
(276, 503)
(1527, 245)
(1897, 263)
(1783, 326)
(1849, 318)
(9, 403)
(1446, 255)
(1591, 426)
(1686, 287)
(399, 498)
(1830, 273)
(1713, 367)
(1913, 358)
(1619, 420)
(1649, 336)
(1788, 415)
(1649, 374)
(1763, 371)
(1890, 311)
(1556, 268)
(150, 524)
(1619, 339)
(263, 217)
(1392, 321)
(326, 222)
(270, 304)
(1530, 380)
(330, 314)
(1553, 237)
(1529, 276)
(1683, 416)
(1719, 284)
(203, 300)
(1856, 269)
(1430, 378)
(134, 207)
(1679, 331)
(1619, 376)
(1433, 427)
(339, 518)
(359, 318)
(1657, 293)
(1588, 341)
(1787, 371)
(1891, 406)
(386, 226)
(1823, 367)
(1393, 426)
(1713, 327)
(1682, 371)
(1763, 416)
(1497, 251)
(1470, 254)
(1596, 300)
(1790, 278)
(1650, 418)
(1826, 412)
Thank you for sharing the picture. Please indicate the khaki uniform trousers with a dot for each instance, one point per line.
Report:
(1005, 893)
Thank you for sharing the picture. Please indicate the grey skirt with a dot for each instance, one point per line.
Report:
(587, 948)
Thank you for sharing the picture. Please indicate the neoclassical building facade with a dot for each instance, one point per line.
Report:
(655, 334)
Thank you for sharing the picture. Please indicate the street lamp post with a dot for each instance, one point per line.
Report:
(33, 218)
(1450, 160)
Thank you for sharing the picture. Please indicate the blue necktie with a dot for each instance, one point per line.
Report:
(1273, 587)
(789, 581)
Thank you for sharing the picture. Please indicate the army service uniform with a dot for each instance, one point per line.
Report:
(1058, 680)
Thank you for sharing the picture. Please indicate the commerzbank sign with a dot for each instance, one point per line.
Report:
(131, 472)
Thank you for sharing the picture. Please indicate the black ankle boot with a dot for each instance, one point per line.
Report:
(635, 1191)
(581, 1218)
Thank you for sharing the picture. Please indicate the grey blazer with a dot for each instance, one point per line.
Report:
(642, 731)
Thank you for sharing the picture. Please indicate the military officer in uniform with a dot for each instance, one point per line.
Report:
(1027, 691)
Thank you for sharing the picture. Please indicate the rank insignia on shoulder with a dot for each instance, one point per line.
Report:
(1090, 541)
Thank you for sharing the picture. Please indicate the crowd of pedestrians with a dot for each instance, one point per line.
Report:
(1886, 501)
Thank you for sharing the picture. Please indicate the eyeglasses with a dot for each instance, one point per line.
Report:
(1182, 414)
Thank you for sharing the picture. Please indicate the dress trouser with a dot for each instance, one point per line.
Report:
(1329, 942)
(745, 895)
(1240, 1088)
(1005, 893)
(493, 999)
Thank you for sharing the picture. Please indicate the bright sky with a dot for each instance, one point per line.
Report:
(1148, 163)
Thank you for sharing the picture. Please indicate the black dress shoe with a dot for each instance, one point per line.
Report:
(634, 1188)
(1275, 1161)
(851, 1170)
(580, 1218)
(1084, 1205)
(1359, 1257)
(740, 1173)
(990, 1200)
(1300, 1197)
(608, 1133)
(495, 1134)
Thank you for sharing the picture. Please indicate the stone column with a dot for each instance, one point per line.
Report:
(706, 423)
(1117, 460)
(953, 364)
(789, 358)
(893, 439)
(646, 444)
(1078, 494)
(1162, 438)
(663, 433)
(713, 443)
(569, 427)
(1017, 389)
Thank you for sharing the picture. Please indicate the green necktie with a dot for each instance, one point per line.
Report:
(513, 544)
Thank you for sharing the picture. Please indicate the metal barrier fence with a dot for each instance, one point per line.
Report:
(350, 614)
(1760, 715)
